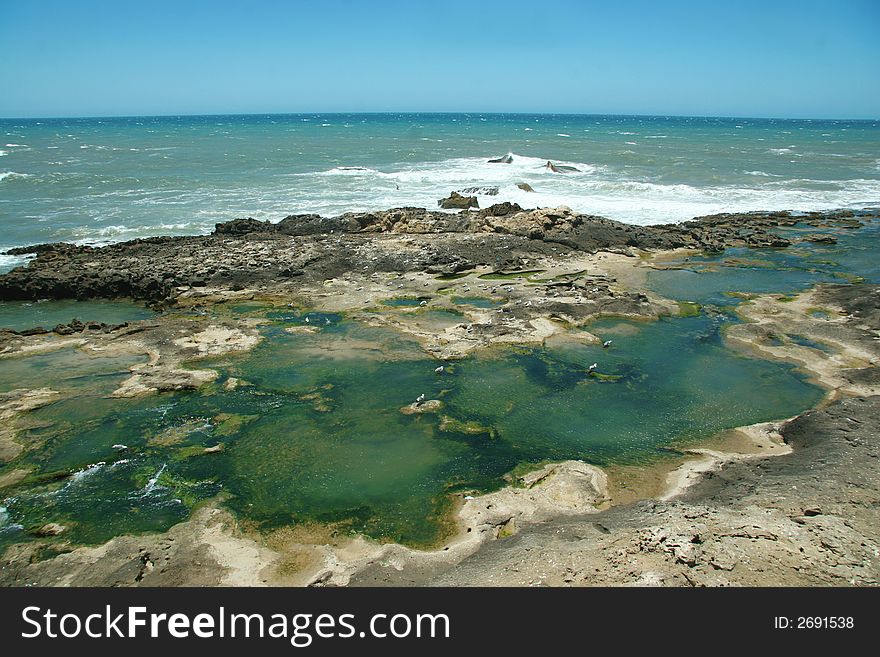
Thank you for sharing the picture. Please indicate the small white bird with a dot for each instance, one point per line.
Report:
(439, 370)
(607, 344)
(307, 320)
(120, 446)
(423, 303)
(593, 367)
(420, 398)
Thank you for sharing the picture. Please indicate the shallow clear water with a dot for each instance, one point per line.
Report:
(318, 433)
(105, 179)
(477, 302)
(713, 279)
(21, 315)
(64, 370)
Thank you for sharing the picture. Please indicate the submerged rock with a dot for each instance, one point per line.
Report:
(507, 159)
(526, 187)
(50, 529)
(820, 238)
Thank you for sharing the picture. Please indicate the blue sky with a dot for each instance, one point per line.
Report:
(743, 58)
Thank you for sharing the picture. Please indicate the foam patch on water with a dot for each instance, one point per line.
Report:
(12, 175)
(592, 189)
(8, 262)
(116, 210)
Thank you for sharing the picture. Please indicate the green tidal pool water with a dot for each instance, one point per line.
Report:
(316, 432)
(22, 315)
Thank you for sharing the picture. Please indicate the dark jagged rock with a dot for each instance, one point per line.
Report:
(501, 209)
(314, 224)
(37, 249)
(456, 201)
(526, 187)
(560, 168)
(243, 227)
(245, 252)
(507, 159)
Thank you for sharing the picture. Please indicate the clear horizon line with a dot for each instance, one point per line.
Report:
(427, 112)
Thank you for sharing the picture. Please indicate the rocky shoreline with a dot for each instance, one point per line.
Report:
(301, 249)
(807, 516)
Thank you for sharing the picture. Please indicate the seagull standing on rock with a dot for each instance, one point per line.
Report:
(420, 398)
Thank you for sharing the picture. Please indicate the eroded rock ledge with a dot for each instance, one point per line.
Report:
(248, 253)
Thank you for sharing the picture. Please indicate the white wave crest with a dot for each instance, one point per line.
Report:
(8, 262)
(12, 175)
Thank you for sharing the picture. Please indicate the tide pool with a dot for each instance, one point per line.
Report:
(717, 279)
(316, 433)
(22, 315)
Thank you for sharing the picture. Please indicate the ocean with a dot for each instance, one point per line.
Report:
(99, 180)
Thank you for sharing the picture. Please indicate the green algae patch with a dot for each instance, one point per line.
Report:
(178, 434)
(229, 424)
(688, 309)
(470, 427)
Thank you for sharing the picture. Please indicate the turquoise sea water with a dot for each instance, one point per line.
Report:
(96, 180)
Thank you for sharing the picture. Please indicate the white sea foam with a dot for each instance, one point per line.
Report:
(12, 175)
(2, 152)
(562, 134)
(8, 262)
(153, 483)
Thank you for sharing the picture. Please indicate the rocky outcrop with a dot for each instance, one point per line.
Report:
(507, 159)
(247, 253)
(561, 168)
(456, 201)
